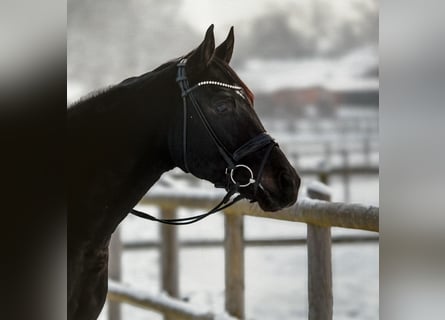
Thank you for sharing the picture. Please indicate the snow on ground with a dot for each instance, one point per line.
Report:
(276, 281)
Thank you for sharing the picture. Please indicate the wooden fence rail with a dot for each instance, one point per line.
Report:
(320, 215)
(317, 212)
(216, 243)
(162, 303)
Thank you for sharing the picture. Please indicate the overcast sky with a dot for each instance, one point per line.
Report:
(232, 12)
(127, 35)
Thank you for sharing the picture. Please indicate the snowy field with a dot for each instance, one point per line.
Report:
(276, 277)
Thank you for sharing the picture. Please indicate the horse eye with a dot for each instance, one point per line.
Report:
(222, 107)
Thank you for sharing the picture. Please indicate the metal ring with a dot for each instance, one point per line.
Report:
(251, 180)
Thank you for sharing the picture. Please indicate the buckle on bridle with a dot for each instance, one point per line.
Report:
(251, 179)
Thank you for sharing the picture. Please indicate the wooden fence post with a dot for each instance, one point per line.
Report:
(367, 151)
(114, 272)
(169, 256)
(234, 264)
(346, 175)
(323, 172)
(319, 265)
(328, 153)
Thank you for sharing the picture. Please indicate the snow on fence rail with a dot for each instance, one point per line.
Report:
(318, 213)
(162, 303)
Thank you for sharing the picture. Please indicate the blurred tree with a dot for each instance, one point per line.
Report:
(274, 38)
(364, 30)
(109, 40)
(369, 21)
(322, 25)
(318, 32)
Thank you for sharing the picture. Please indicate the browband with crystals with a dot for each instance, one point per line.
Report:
(217, 83)
(214, 83)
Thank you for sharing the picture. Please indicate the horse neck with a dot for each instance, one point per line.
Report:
(118, 150)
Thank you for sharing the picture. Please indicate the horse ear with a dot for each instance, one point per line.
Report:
(202, 55)
(225, 49)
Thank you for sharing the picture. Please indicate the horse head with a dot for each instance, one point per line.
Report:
(220, 137)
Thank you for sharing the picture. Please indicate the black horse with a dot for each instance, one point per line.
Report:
(123, 139)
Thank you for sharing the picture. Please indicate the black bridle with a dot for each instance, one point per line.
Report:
(232, 159)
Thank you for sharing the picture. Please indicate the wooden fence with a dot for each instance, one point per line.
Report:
(367, 125)
(318, 213)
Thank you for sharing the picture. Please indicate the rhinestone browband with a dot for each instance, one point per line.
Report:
(217, 83)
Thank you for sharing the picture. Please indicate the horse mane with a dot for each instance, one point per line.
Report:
(88, 96)
(222, 66)
(126, 82)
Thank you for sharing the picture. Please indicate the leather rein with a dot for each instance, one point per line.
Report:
(232, 186)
